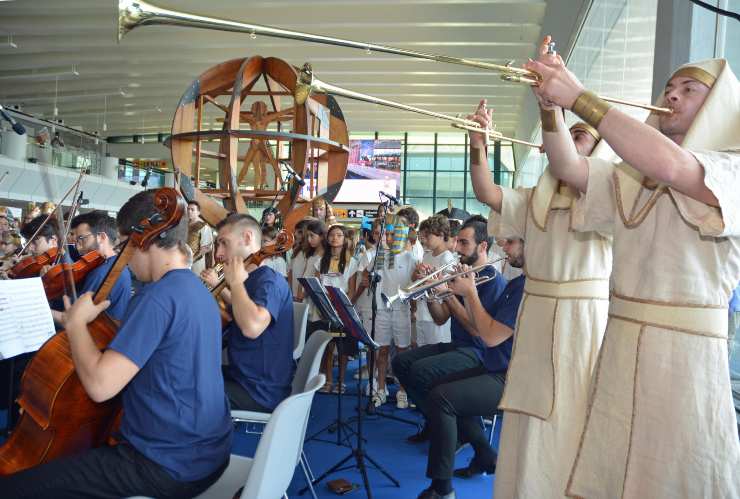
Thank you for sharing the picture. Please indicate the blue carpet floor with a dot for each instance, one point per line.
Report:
(386, 444)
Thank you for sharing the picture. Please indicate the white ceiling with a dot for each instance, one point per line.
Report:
(143, 77)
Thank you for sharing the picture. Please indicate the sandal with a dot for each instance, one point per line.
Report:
(327, 388)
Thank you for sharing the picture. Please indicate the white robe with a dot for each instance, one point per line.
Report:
(661, 423)
(559, 330)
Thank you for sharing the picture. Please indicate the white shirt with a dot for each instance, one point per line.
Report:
(422, 311)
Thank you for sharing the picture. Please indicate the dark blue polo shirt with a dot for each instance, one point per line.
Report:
(504, 310)
(264, 366)
(175, 410)
(119, 296)
(488, 293)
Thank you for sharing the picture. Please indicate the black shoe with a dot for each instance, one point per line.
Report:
(474, 469)
(430, 493)
(419, 437)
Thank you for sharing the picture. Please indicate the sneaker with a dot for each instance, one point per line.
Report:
(402, 400)
(379, 398)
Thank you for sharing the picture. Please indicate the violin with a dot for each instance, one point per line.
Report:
(31, 265)
(59, 418)
(60, 276)
(282, 243)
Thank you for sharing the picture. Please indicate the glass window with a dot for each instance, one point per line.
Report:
(450, 184)
(451, 138)
(421, 138)
(424, 206)
(419, 183)
(475, 207)
(451, 158)
(732, 37)
(420, 158)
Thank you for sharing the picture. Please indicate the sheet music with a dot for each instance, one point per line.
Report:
(25, 317)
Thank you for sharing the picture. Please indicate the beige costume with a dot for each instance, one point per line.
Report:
(558, 333)
(660, 422)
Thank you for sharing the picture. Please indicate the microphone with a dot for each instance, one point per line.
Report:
(292, 173)
(17, 127)
(145, 182)
(389, 197)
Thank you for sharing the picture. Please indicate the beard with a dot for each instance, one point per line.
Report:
(468, 259)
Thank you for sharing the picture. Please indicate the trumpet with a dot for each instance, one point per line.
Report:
(135, 13)
(418, 290)
(308, 84)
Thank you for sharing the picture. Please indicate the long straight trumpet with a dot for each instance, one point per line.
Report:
(135, 13)
(308, 84)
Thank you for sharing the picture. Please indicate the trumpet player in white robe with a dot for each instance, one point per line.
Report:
(561, 322)
(660, 421)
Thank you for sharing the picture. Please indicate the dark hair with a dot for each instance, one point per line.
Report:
(438, 225)
(194, 202)
(51, 229)
(99, 221)
(410, 215)
(140, 207)
(480, 227)
(455, 227)
(317, 227)
(243, 222)
(326, 257)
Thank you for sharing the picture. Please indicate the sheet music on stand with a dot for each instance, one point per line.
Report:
(317, 292)
(351, 321)
(26, 317)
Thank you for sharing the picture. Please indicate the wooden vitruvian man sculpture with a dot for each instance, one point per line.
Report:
(246, 98)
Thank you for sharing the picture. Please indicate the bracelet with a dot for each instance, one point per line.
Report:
(591, 108)
(549, 120)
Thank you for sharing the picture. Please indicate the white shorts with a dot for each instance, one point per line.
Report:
(393, 324)
(429, 333)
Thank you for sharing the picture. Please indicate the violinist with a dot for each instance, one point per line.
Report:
(97, 231)
(260, 338)
(175, 433)
(48, 238)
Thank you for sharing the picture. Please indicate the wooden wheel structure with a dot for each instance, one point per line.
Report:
(249, 96)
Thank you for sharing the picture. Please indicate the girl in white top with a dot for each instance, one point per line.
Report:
(313, 248)
(297, 260)
(434, 233)
(337, 268)
(277, 262)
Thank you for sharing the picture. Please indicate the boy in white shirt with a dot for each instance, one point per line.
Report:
(434, 234)
(391, 323)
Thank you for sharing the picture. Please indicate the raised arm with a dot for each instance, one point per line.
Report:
(486, 191)
(657, 156)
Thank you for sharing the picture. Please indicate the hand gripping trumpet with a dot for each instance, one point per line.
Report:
(422, 289)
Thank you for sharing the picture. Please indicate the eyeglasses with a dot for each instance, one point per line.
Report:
(81, 239)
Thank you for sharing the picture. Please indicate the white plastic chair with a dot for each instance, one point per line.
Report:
(308, 368)
(265, 476)
(300, 321)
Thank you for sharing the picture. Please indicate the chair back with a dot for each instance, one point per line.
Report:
(281, 443)
(300, 321)
(310, 362)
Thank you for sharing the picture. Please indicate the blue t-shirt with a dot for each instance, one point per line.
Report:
(488, 293)
(505, 310)
(264, 366)
(119, 296)
(175, 410)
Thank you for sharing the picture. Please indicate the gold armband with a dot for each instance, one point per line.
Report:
(549, 120)
(591, 108)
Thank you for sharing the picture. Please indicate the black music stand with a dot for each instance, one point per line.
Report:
(354, 329)
(316, 291)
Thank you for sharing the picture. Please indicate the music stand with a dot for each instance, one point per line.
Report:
(316, 291)
(354, 329)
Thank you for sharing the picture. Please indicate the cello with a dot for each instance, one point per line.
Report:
(59, 419)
